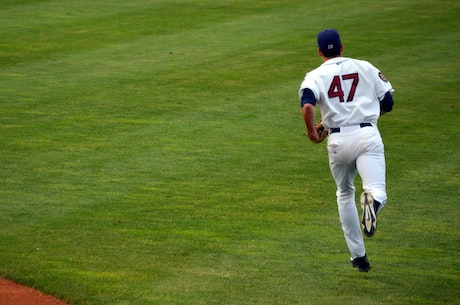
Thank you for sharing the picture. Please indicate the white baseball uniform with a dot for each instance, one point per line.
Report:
(348, 92)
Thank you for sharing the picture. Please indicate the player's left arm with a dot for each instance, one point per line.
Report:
(384, 91)
(386, 103)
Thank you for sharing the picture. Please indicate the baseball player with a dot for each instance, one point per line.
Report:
(351, 95)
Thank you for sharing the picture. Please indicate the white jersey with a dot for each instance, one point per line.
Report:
(347, 91)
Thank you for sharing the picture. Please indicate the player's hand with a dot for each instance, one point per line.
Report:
(318, 133)
(313, 136)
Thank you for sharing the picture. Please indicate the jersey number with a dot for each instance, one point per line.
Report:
(335, 90)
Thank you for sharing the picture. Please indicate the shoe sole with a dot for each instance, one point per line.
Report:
(369, 221)
(366, 269)
(361, 268)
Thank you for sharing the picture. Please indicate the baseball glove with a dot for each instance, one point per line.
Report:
(322, 132)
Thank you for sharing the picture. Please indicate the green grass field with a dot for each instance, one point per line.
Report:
(152, 152)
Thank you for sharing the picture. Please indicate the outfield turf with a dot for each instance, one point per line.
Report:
(152, 152)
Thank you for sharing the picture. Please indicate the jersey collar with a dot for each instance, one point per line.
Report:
(335, 60)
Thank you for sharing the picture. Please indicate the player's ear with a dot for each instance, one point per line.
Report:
(320, 52)
(341, 48)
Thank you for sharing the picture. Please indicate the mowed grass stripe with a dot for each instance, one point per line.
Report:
(50, 28)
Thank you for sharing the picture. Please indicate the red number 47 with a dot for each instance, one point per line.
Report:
(335, 90)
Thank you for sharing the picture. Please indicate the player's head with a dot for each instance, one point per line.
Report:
(329, 43)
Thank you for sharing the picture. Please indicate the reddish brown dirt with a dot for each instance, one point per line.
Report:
(14, 294)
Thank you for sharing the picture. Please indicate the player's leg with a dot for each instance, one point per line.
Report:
(371, 167)
(348, 213)
(344, 170)
(372, 170)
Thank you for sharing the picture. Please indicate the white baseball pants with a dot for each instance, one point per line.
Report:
(356, 150)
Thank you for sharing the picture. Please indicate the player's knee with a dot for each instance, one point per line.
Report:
(345, 195)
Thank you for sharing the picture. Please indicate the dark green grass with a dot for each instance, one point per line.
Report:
(152, 152)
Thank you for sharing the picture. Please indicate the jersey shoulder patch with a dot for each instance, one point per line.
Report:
(382, 77)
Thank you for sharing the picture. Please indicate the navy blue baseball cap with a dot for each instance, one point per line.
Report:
(329, 42)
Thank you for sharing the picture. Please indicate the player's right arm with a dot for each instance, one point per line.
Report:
(309, 116)
(308, 102)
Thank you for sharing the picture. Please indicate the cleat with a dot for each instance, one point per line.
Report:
(361, 263)
(369, 221)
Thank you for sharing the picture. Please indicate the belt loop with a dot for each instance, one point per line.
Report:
(334, 130)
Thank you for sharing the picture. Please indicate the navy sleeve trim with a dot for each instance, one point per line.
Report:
(386, 104)
(308, 97)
